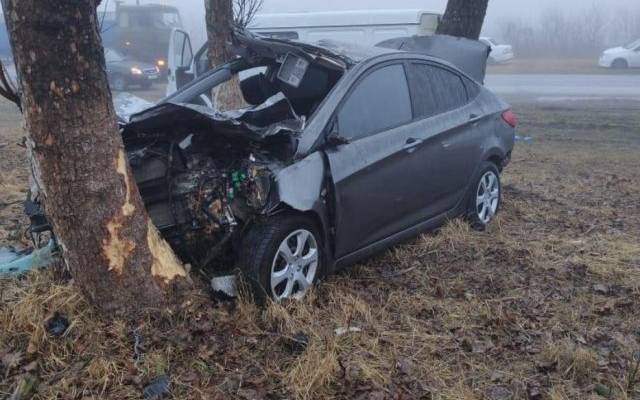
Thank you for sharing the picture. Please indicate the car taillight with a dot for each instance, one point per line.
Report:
(510, 118)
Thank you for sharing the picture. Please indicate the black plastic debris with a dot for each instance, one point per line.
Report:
(57, 325)
(298, 343)
(157, 389)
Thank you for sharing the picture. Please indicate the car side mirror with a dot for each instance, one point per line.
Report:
(333, 138)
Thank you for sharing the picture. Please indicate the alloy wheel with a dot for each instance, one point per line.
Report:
(488, 197)
(295, 265)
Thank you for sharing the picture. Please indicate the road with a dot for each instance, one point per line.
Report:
(560, 87)
(527, 87)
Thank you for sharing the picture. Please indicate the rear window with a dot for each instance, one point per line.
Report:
(379, 102)
(435, 90)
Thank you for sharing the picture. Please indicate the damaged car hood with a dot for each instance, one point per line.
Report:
(274, 116)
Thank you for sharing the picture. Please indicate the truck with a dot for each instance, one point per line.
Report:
(140, 32)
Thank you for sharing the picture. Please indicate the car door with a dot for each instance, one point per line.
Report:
(447, 120)
(180, 60)
(373, 182)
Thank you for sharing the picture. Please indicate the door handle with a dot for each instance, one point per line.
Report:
(411, 143)
(473, 118)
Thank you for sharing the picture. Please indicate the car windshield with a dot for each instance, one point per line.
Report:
(633, 45)
(111, 55)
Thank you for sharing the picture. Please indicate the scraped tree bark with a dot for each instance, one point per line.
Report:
(463, 18)
(79, 165)
(222, 17)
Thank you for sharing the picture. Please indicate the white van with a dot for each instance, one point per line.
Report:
(366, 28)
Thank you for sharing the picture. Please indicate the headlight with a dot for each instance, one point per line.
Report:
(136, 71)
(161, 63)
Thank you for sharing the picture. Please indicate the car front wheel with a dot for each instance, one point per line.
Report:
(485, 196)
(282, 257)
(620, 64)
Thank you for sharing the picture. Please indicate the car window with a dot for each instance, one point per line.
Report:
(435, 90)
(379, 101)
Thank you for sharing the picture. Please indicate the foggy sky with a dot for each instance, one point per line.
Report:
(523, 10)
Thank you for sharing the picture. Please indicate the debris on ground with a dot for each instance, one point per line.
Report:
(342, 331)
(520, 138)
(13, 261)
(57, 324)
(157, 389)
(298, 343)
(225, 288)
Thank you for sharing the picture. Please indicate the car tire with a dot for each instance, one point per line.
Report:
(620, 63)
(119, 83)
(272, 272)
(485, 196)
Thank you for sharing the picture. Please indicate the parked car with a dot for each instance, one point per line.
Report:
(622, 57)
(340, 153)
(123, 72)
(500, 53)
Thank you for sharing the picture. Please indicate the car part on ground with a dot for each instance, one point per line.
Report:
(19, 262)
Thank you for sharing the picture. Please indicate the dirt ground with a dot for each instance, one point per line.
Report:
(543, 305)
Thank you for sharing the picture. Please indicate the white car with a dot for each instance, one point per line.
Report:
(622, 57)
(500, 53)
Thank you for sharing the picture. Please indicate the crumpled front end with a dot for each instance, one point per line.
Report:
(205, 175)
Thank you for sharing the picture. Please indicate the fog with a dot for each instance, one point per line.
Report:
(524, 14)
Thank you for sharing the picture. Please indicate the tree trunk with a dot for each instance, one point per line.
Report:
(111, 248)
(219, 18)
(463, 18)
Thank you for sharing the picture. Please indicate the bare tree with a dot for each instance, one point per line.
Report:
(79, 164)
(245, 11)
(463, 18)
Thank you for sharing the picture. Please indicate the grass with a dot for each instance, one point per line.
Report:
(557, 65)
(544, 302)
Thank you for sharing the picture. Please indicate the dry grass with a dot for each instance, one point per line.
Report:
(544, 302)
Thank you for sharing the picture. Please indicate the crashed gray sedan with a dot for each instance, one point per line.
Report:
(340, 153)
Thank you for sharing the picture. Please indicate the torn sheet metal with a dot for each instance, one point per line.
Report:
(12, 262)
(273, 116)
(470, 56)
(254, 48)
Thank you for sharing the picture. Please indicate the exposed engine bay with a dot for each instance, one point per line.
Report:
(205, 175)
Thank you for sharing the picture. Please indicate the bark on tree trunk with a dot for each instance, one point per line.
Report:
(111, 248)
(219, 18)
(463, 18)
